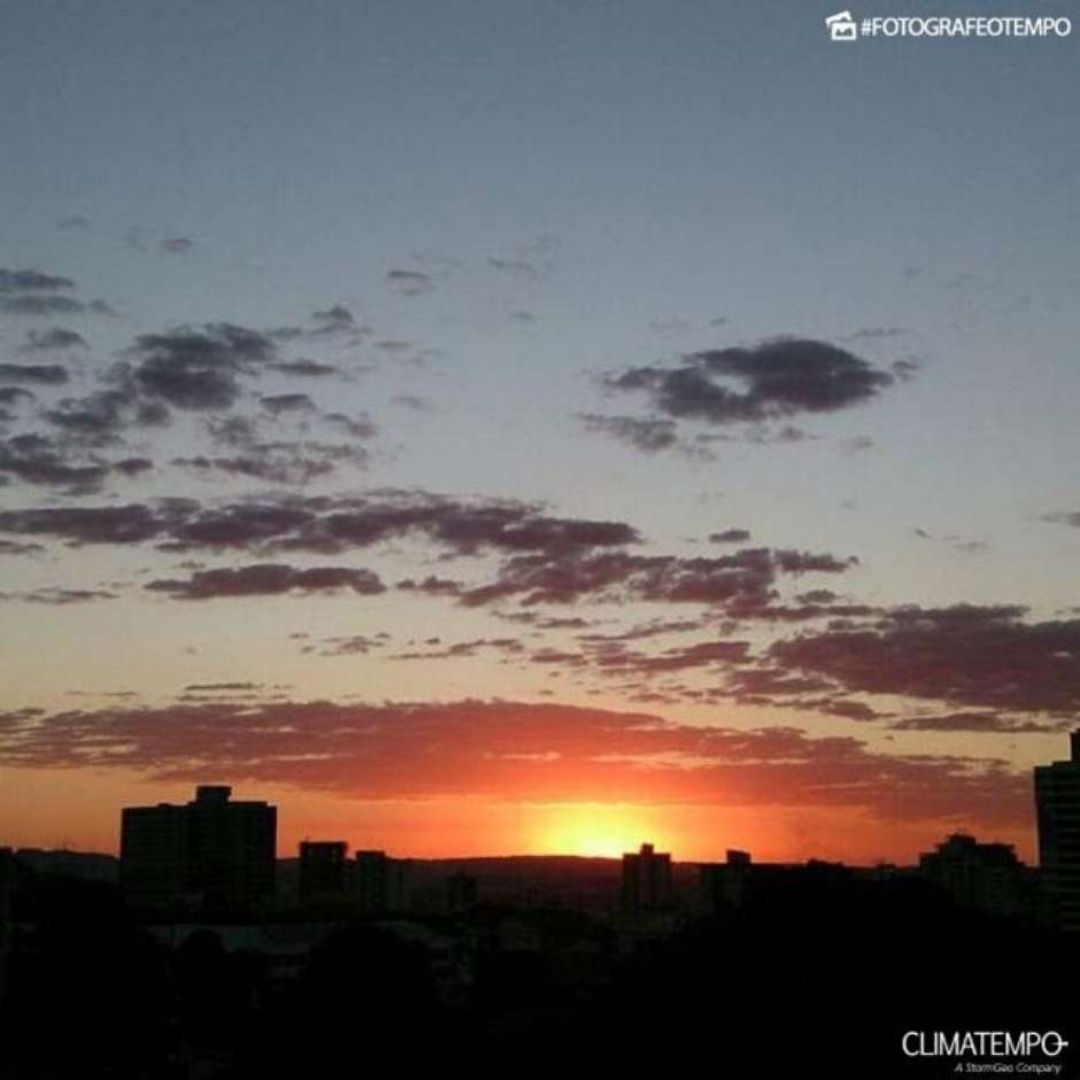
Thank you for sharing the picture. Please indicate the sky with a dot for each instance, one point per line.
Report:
(488, 428)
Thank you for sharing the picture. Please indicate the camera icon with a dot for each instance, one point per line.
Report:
(842, 27)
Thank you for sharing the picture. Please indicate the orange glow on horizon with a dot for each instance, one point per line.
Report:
(597, 829)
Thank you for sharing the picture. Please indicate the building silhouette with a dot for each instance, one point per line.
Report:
(723, 885)
(1057, 803)
(462, 892)
(324, 875)
(985, 876)
(646, 881)
(380, 883)
(210, 853)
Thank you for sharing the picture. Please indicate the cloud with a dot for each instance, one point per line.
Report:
(304, 368)
(13, 547)
(336, 320)
(323, 524)
(741, 582)
(16, 281)
(276, 404)
(409, 282)
(197, 369)
(38, 304)
(414, 402)
(59, 597)
(730, 536)
(176, 245)
(34, 374)
(461, 649)
(35, 459)
(353, 645)
(775, 379)
(130, 524)
(432, 585)
(1070, 517)
(512, 750)
(620, 660)
(976, 723)
(876, 333)
(649, 433)
(268, 579)
(280, 462)
(12, 395)
(360, 427)
(514, 266)
(968, 655)
(51, 340)
(100, 418)
(285, 461)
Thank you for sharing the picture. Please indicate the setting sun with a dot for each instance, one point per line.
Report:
(595, 829)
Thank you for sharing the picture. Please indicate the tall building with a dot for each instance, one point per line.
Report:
(723, 885)
(323, 871)
(1057, 804)
(985, 876)
(211, 852)
(646, 881)
(380, 883)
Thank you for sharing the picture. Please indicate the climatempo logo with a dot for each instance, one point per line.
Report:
(989, 1044)
(843, 26)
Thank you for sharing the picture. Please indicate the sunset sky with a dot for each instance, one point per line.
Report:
(492, 426)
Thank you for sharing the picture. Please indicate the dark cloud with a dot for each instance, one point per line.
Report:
(742, 582)
(620, 660)
(980, 656)
(414, 402)
(59, 597)
(34, 374)
(268, 579)
(101, 418)
(276, 404)
(197, 369)
(281, 462)
(12, 395)
(35, 459)
(359, 427)
(655, 628)
(176, 245)
(52, 340)
(305, 368)
(40, 304)
(409, 282)
(353, 645)
(769, 381)
(1070, 517)
(432, 585)
(334, 320)
(977, 723)
(876, 333)
(514, 266)
(506, 749)
(13, 547)
(324, 525)
(460, 649)
(130, 524)
(906, 369)
(17, 281)
(730, 536)
(649, 433)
